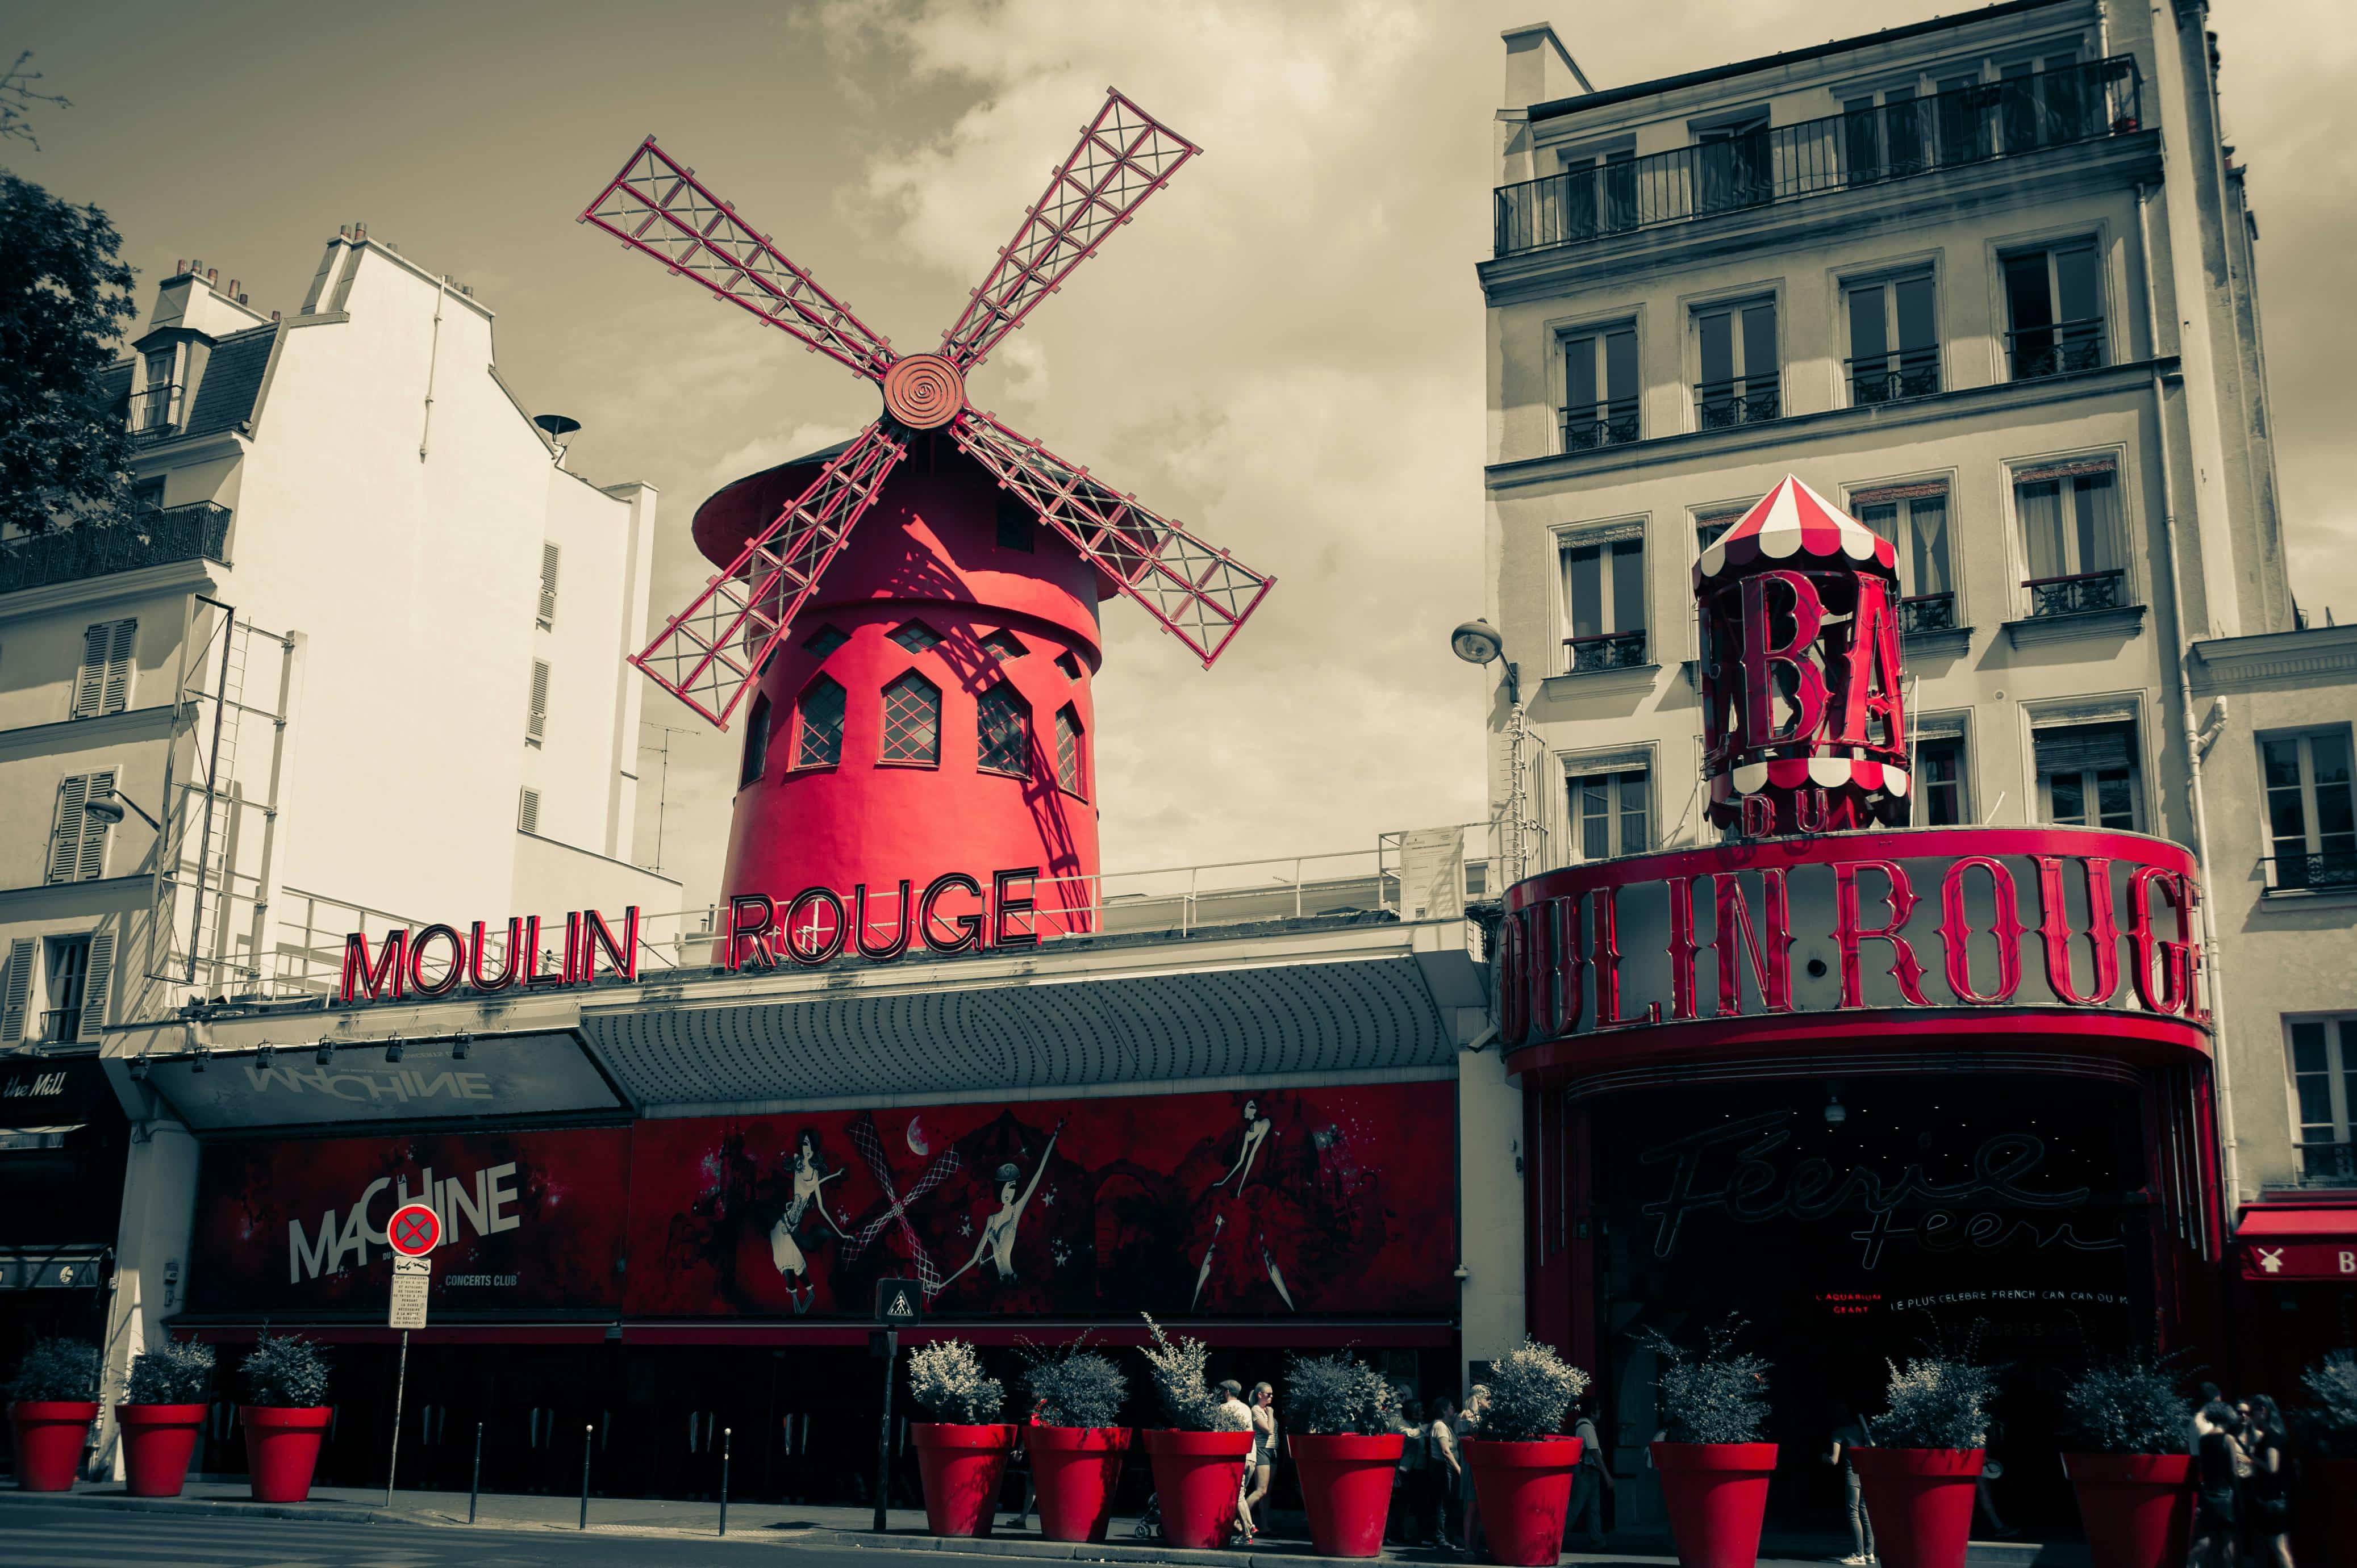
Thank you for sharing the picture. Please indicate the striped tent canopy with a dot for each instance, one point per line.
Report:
(1793, 521)
(1865, 775)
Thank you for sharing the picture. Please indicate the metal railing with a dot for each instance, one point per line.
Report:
(1590, 425)
(1839, 152)
(1720, 406)
(2059, 349)
(2080, 594)
(61, 1025)
(1887, 378)
(1604, 650)
(2328, 1165)
(1927, 612)
(99, 550)
(2327, 869)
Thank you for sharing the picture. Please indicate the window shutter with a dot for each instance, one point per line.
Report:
(16, 988)
(96, 981)
(548, 557)
(1887, 495)
(89, 682)
(2076, 469)
(91, 863)
(65, 838)
(115, 693)
(2081, 748)
(528, 811)
(536, 722)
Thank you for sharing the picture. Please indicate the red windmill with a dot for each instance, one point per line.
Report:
(904, 673)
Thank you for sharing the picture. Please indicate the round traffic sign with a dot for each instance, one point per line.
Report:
(414, 1230)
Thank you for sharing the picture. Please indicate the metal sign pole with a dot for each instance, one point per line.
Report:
(400, 1387)
(884, 1429)
(586, 1433)
(475, 1486)
(723, 1480)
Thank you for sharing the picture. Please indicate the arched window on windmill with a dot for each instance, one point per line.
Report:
(757, 742)
(1068, 751)
(912, 723)
(818, 724)
(1003, 731)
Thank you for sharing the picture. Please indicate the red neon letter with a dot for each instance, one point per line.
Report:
(1570, 963)
(1514, 975)
(1605, 902)
(1870, 683)
(2102, 928)
(900, 942)
(1761, 654)
(455, 971)
(750, 917)
(597, 936)
(391, 967)
(2174, 993)
(1681, 948)
(1848, 934)
(968, 927)
(533, 973)
(1003, 904)
(1956, 931)
(476, 947)
(1771, 959)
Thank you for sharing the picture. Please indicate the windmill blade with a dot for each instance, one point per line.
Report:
(1193, 588)
(711, 651)
(1124, 155)
(658, 206)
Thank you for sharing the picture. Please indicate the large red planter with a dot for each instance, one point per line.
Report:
(1523, 1489)
(2340, 1494)
(1920, 1501)
(50, 1436)
(2137, 1508)
(1074, 1469)
(157, 1441)
(962, 1466)
(1346, 1488)
(281, 1448)
(1718, 1495)
(1197, 1476)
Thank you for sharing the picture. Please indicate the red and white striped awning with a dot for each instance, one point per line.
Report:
(1793, 773)
(1794, 520)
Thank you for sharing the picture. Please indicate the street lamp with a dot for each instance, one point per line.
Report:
(1478, 642)
(108, 808)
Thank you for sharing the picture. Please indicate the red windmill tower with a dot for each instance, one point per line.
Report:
(918, 648)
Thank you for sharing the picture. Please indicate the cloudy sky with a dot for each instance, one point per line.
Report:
(1285, 350)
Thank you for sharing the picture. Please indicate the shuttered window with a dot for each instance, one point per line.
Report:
(535, 724)
(528, 810)
(97, 979)
(15, 989)
(77, 839)
(102, 684)
(2087, 775)
(548, 556)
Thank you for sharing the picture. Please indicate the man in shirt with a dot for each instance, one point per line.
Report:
(1589, 1482)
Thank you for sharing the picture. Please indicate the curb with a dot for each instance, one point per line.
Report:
(220, 1508)
(1057, 1551)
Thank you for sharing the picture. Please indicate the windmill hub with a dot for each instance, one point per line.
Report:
(923, 391)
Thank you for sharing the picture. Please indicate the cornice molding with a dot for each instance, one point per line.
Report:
(2249, 664)
(171, 576)
(132, 724)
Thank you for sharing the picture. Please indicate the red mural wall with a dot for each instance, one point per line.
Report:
(1338, 1201)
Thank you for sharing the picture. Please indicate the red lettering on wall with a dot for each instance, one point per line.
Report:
(533, 973)
(1604, 907)
(1762, 654)
(2173, 991)
(1517, 977)
(900, 942)
(1570, 962)
(1004, 904)
(597, 936)
(508, 968)
(751, 918)
(1681, 948)
(389, 970)
(824, 937)
(452, 973)
(2102, 928)
(967, 927)
(1956, 932)
(1848, 934)
(1770, 954)
(1870, 679)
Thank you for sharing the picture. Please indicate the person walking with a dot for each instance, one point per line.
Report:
(1236, 1416)
(1468, 1510)
(1589, 1482)
(2269, 1492)
(1407, 1476)
(2215, 1451)
(1260, 1468)
(1852, 1432)
(1444, 1474)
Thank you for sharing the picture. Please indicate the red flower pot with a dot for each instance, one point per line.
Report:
(1523, 1489)
(1716, 1494)
(281, 1448)
(1197, 1476)
(157, 1440)
(1346, 1487)
(1920, 1501)
(2137, 1508)
(1074, 1468)
(962, 1466)
(50, 1435)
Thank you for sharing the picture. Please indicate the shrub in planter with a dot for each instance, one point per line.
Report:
(1075, 1447)
(961, 1450)
(2331, 1428)
(1522, 1463)
(52, 1400)
(163, 1411)
(2124, 1431)
(1918, 1476)
(285, 1416)
(1714, 1467)
(1346, 1446)
(1199, 1459)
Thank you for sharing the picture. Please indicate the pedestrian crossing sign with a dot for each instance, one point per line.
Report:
(899, 1302)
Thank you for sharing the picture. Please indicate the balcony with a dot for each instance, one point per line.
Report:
(1605, 650)
(61, 1025)
(1927, 613)
(1722, 405)
(1600, 425)
(1888, 378)
(2083, 592)
(2328, 1165)
(1841, 151)
(2058, 348)
(99, 550)
(2328, 871)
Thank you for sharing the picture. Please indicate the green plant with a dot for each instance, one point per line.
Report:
(1531, 1387)
(1713, 1394)
(285, 1373)
(56, 1369)
(176, 1373)
(1073, 1387)
(1938, 1400)
(2331, 1424)
(2126, 1406)
(1329, 1396)
(947, 1381)
(1179, 1369)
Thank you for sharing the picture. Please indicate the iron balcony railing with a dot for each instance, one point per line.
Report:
(1720, 406)
(1604, 650)
(2328, 869)
(2328, 1165)
(1841, 151)
(1595, 424)
(1927, 612)
(61, 1025)
(2080, 594)
(1887, 378)
(2056, 349)
(151, 538)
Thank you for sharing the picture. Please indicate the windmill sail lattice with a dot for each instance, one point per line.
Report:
(709, 653)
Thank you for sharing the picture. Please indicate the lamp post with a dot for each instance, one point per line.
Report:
(1478, 642)
(108, 808)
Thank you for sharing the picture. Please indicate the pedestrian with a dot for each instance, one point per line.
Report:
(1983, 1497)
(1590, 1481)
(1260, 1468)
(1444, 1475)
(2215, 1514)
(2270, 1487)
(1853, 1431)
(1469, 1501)
(1236, 1416)
(1407, 1475)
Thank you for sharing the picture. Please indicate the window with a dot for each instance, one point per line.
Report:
(1019, 526)
(824, 641)
(1068, 751)
(2324, 1085)
(1731, 165)
(528, 810)
(2311, 814)
(1610, 814)
(1941, 783)
(912, 721)
(916, 637)
(1070, 663)
(1894, 346)
(535, 720)
(15, 989)
(68, 970)
(2087, 776)
(1003, 729)
(1961, 120)
(102, 684)
(2070, 538)
(74, 971)
(1736, 346)
(818, 735)
(2042, 104)
(548, 557)
(1709, 526)
(1914, 518)
(756, 760)
(77, 839)
(1599, 388)
(147, 495)
(2055, 309)
(1598, 193)
(1880, 143)
(1002, 646)
(1604, 604)
(154, 410)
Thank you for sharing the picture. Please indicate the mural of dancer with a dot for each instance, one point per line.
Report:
(1254, 1224)
(794, 1235)
(997, 1239)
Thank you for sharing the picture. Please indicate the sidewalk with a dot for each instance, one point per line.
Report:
(840, 1528)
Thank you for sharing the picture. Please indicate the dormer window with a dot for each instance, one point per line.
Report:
(153, 409)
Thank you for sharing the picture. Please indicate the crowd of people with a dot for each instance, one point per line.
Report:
(2244, 1514)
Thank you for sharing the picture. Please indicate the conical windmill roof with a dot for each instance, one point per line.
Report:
(1785, 527)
